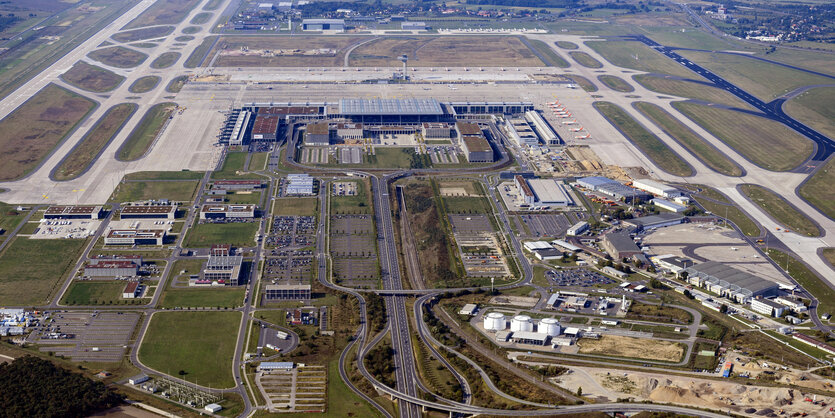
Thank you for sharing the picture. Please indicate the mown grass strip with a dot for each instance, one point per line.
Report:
(781, 210)
(144, 134)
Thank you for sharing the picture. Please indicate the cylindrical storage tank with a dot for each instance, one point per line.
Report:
(494, 321)
(548, 326)
(521, 323)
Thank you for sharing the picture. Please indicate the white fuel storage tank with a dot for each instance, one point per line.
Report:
(494, 321)
(548, 326)
(521, 323)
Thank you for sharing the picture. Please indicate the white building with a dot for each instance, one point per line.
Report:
(577, 229)
(468, 309)
(550, 192)
(767, 307)
(793, 305)
(213, 408)
(299, 184)
(549, 137)
(670, 206)
(656, 188)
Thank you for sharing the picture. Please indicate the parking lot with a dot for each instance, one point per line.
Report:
(64, 228)
(86, 336)
(578, 277)
(344, 188)
(470, 224)
(300, 389)
(443, 154)
(350, 155)
(353, 246)
(551, 225)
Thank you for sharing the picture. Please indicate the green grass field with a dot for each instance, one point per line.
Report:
(165, 60)
(202, 298)
(9, 219)
(92, 78)
(144, 84)
(118, 56)
(648, 143)
(585, 59)
(178, 191)
(689, 139)
(818, 190)
(583, 82)
(732, 213)
(94, 141)
(165, 175)
(815, 108)
(690, 90)
(258, 161)
(358, 204)
(779, 209)
(143, 135)
(176, 84)
(767, 143)
(191, 30)
(202, 344)
(234, 163)
(144, 33)
(764, 80)
(298, 206)
(616, 83)
(32, 270)
(567, 45)
(623, 53)
(456, 204)
(197, 55)
(812, 283)
(552, 57)
(163, 13)
(96, 293)
(237, 234)
(829, 255)
(33, 130)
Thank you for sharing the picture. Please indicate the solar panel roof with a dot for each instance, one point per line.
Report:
(390, 107)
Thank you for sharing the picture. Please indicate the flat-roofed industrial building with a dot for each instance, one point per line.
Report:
(656, 188)
(413, 26)
(729, 282)
(613, 188)
(287, 292)
(299, 184)
(227, 211)
(551, 192)
(238, 184)
(148, 212)
(115, 268)
(477, 149)
(335, 25)
(661, 220)
(73, 212)
(619, 245)
(135, 237)
(525, 191)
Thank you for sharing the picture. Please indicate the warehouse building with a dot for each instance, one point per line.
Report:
(148, 212)
(656, 188)
(525, 192)
(661, 220)
(550, 192)
(529, 337)
(729, 282)
(413, 26)
(265, 127)
(670, 206)
(299, 184)
(767, 307)
(335, 25)
(619, 245)
(613, 188)
(317, 133)
(132, 290)
(223, 268)
(287, 292)
(436, 130)
(577, 229)
(134, 237)
(227, 211)
(115, 268)
(549, 137)
(73, 212)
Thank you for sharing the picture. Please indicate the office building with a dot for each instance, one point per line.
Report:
(413, 26)
(335, 25)
(223, 268)
(116, 268)
(767, 307)
(577, 229)
(227, 211)
(132, 290)
(134, 237)
(287, 292)
(436, 130)
(148, 212)
(73, 212)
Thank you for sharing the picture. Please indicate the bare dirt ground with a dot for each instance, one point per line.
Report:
(630, 347)
(722, 395)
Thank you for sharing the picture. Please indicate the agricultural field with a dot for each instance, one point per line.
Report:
(240, 234)
(690, 140)
(690, 90)
(769, 144)
(818, 190)
(163, 13)
(648, 143)
(33, 130)
(632, 348)
(31, 270)
(94, 141)
(92, 78)
(143, 135)
(781, 210)
(814, 108)
(135, 190)
(585, 59)
(453, 51)
(762, 79)
(165, 60)
(616, 83)
(118, 56)
(623, 53)
(144, 84)
(337, 45)
(554, 59)
(142, 34)
(176, 84)
(201, 344)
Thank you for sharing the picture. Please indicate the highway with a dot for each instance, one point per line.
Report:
(825, 145)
